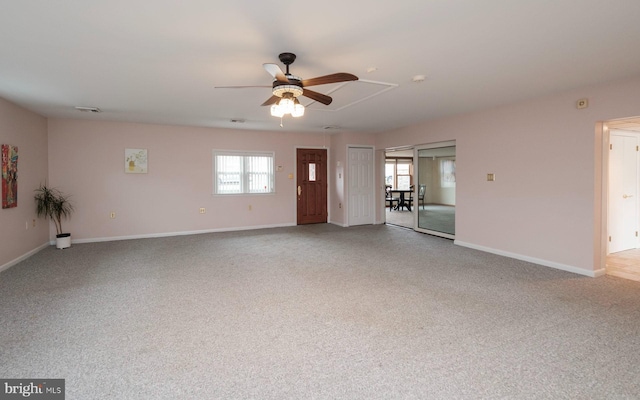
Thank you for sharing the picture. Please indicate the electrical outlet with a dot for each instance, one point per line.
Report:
(112, 215)
(34, 222)
(250, 207)
(339, 205)
(203, 210)
(491, 177)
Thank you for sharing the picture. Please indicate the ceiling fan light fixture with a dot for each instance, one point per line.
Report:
(277, 111)
(286, 88)
(280, 90)
(298, 109)
(287, 105)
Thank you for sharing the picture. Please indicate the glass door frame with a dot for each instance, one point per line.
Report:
(416, 150)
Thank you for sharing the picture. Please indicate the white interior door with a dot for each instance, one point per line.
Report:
(623, 192)
(361, 186)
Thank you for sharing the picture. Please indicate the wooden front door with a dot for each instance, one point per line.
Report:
(311, 186)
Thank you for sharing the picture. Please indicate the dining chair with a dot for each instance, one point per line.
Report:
(389, 198)
(409, 200)
(422, 189)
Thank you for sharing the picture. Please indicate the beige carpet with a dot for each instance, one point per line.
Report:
(402, 218)
(315, 312)
(433, 217)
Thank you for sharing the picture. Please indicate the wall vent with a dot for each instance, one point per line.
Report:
(88, 109)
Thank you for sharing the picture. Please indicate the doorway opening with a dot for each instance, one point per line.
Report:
(622, 137)
(399, 177)
(420, 188)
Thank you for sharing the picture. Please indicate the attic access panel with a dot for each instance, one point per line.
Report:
(350, 93)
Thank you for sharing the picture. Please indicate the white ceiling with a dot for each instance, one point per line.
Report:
(158, 61)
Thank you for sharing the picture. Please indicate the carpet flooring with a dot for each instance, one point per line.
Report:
(315, 312)
(437, 218)
(432, 217)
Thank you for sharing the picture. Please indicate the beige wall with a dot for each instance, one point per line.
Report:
(87, 161)
(545, 205)
(28, 131)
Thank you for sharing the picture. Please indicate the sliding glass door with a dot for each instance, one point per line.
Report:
(436, 189)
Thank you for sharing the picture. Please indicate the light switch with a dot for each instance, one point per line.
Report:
(491, 177)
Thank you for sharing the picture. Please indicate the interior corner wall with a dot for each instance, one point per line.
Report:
(544, 205)
(86, 161)
(28, 131)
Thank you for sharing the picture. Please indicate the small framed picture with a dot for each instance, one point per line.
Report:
(135, 161)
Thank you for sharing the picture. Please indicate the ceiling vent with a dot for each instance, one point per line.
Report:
(88, 109)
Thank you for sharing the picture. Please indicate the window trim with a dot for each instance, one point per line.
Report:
(244, 175)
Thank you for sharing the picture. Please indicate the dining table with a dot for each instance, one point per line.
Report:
(402, 201)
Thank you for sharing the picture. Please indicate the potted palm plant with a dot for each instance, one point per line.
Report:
(53, 204)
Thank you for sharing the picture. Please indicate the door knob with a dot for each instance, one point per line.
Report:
(625, 196)
(299, 190)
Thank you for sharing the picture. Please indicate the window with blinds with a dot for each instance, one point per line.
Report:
(243, 172)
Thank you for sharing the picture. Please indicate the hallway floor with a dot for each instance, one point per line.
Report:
(624, 264)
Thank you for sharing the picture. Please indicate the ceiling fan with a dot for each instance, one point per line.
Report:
(286, 88)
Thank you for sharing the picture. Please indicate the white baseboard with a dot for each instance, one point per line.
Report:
(340, 224)
(169, 234)
(546, 263)
(23, 257)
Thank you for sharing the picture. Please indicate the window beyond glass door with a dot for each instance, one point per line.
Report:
(403, 174)
(398, 173)
(390, 173)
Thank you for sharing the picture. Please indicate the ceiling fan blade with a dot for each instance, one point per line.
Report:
(240, 87)
(275, 71)
(319, 97)
(270, 101)
(333, 78)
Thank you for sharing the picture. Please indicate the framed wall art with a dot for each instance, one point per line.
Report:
(9, 175)
(135, 161)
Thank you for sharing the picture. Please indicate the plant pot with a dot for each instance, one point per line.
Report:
(63, 240)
